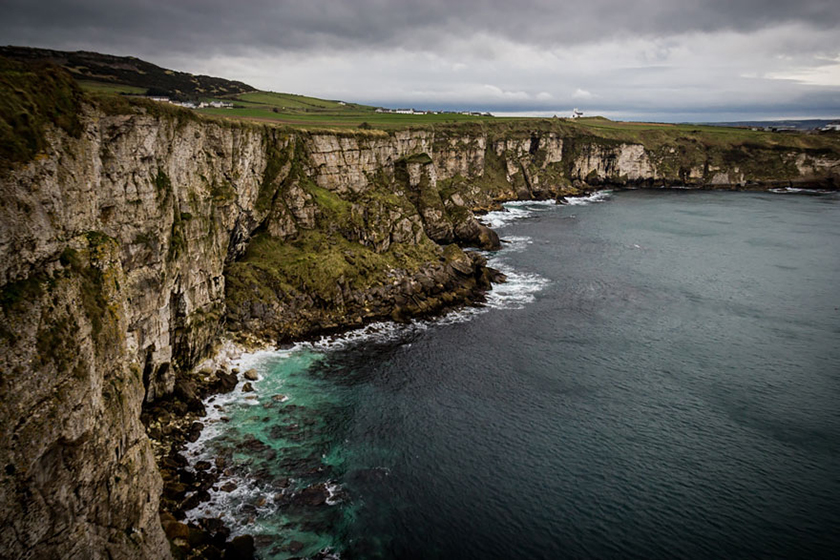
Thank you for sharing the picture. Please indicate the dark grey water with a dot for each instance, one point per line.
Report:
(660, 379)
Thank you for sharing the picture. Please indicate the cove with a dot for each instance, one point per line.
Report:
(658, 378)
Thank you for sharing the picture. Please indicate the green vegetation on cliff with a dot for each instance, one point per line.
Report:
(31, 96)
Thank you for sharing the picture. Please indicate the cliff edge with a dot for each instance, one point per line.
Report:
(134, 235)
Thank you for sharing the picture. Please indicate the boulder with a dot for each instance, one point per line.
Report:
(240, 548)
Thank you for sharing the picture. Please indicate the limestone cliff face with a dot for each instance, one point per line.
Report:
(113, 247)
(125, 253)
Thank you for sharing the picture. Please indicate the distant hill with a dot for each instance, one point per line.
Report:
(146, 77)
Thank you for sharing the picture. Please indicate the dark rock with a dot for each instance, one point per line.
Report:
(177, 459)
(315, 495)
(195, 431)
(177, 530)
(217, 529)
(248, 388)
(295, 547)
(186, 392)
(198, 536)
(224, 383)
(251, 375)
(212, 551)
(195, 500)
(228, 487)
(240, 548)
(202, 465)
(174, 490)
(186, 477)
(254, 444)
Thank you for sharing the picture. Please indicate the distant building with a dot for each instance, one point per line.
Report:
(835, 127)
(576, 113)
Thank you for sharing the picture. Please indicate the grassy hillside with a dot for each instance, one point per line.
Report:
(302, 111)
(35, 91)
(127, 74)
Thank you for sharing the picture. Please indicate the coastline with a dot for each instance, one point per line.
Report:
(177, 423)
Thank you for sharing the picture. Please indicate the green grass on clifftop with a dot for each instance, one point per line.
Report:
(31, 96)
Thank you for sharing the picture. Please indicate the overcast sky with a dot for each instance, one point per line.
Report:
(668, 60)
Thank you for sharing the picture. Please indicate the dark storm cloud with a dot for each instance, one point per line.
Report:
(224, 25)
(656, 58)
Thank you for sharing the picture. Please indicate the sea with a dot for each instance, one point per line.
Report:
(658, 378)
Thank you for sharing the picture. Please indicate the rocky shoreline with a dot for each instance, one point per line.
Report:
(462, 278)
(176, 420)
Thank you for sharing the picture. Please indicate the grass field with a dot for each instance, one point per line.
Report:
(300, 111)
(102, 87)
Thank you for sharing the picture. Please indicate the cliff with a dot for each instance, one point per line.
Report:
(132, 237)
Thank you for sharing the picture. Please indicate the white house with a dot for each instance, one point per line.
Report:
(576, 114)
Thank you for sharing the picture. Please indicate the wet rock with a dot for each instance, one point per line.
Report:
(224, 382)
(202, 465)
(177, 460)
(177, 530)
(195, 500)
(185, 391)
(240, 548)
(247, 388)
(186, 477)
(198, 537)
(254, 444)
(295, 547)
(313, 496)
(251, 375)
(217, 529)
(174, 490)
(195, 431)
(228, 487)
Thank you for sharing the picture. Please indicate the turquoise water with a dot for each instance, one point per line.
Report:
(659, 379)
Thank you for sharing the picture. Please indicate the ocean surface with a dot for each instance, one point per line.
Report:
(660, 378)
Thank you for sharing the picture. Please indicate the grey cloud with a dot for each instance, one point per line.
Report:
(224, 25)
(648, 57)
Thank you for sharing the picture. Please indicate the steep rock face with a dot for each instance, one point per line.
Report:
(78, 478)
(124, 250)
(621, 163)
(164, 195)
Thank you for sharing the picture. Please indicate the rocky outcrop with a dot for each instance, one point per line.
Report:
(129, 244)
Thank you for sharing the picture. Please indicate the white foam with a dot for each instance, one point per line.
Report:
(334, 491)
(794, 190)
(519, 290)
(513, 211)
(599, 196)
(514, 244)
